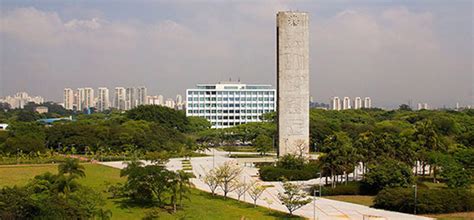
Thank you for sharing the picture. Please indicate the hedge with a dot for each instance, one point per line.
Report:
(428, 200)
(271, 173)
(351, 188)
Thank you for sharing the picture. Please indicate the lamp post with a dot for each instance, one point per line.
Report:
(415, 186)
(213, 158)
(314, 204)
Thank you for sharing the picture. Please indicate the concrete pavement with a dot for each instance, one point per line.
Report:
(320, 209)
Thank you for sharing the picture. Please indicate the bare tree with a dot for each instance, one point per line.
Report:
(241, 188)
(302, 148)
(255, 191)
(212, 181)
(293, 197)
(227, 175)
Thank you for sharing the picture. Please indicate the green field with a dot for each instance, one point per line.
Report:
(201, 205)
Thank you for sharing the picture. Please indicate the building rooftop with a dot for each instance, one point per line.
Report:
(226, 85)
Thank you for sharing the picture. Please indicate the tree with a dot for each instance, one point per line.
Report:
(339, 155)
(227, 174)
(455, 174)
(293, 197)
(241, 188)
(211, 180)
(263, 144)
(72, 167)
(197, 124)
(255, 191)
(183, 185)
(404, 107)
(389, 172)
(163, 115)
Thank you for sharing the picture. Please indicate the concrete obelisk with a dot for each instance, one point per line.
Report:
(293, 82)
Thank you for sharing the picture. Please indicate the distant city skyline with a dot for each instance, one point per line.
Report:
(413, 51)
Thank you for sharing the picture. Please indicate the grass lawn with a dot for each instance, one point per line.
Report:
(200, 206)
(454, 216)
(361, 200)
(20, 174)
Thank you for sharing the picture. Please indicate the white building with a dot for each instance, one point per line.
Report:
(103, 100)
(130, 98)
(367, 102)
(357, 103)
(180, 105)
(161, 100)
(229, 104)
(141, 98)
(153, 100)
(423, 106)
(346, 103)
(119, 98)
(68, 99)
(170, 103)
(336, 103)
(85, 98)
(20, 99)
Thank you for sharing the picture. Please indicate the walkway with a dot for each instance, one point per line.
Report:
(325, 209)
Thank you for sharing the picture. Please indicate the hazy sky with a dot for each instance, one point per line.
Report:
(392, 51)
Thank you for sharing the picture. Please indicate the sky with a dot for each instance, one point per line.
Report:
(393, 51)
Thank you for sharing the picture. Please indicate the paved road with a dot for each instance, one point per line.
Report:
(325, 208)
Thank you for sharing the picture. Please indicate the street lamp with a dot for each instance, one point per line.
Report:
(213, 157)
(415, 186)
(314, 196)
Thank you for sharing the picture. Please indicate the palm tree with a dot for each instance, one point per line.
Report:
(72, 167)
(183, 185)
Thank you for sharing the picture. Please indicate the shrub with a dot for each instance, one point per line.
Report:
(271, 173)
(351, 188)
(428, 201)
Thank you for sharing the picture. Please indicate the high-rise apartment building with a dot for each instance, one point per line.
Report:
(180, 105)
(20, 99)
(68, 98)
(367, 102)
(346, 103)
(170, 103)
(85, 98)
(161, 100)
(103, 100)
(141, 98)
(130, 98)
(119, 98)
(423, 106)
(336, 103)
(357, 103)
(227, 104)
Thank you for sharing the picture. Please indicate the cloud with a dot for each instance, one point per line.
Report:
(393, 55)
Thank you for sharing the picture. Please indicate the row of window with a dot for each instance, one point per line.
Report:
(230, 92)
(237, 117)
(213, 99)
(230, 111)
(231, 105)
(220, 124)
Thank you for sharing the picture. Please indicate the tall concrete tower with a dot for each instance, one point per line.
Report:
(293, 82)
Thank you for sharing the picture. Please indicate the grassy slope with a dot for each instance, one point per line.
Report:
(201, 205)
